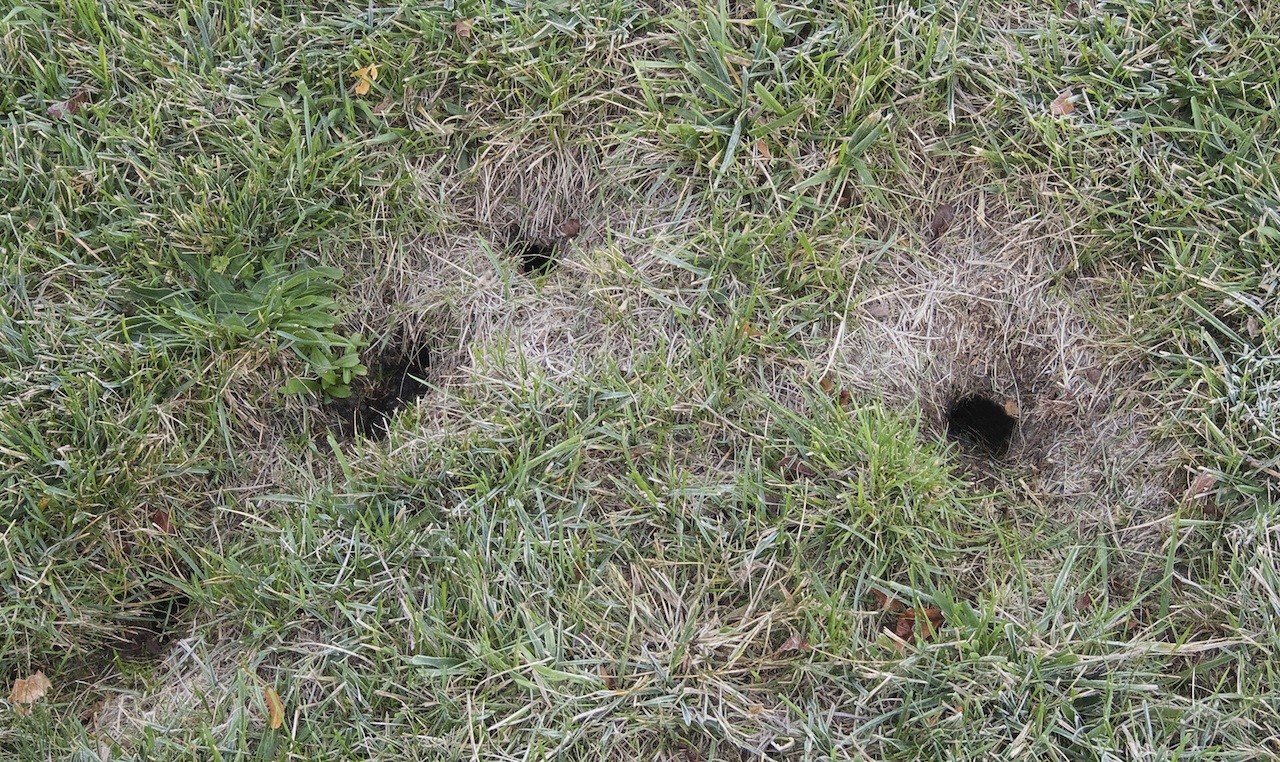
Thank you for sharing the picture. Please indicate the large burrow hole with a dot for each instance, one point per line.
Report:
(536, 257)
(396, 377)
(980, 423)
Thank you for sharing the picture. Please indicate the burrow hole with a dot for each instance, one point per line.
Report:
(396, 377)
(152, 622)
(536, 256)
(980, 422)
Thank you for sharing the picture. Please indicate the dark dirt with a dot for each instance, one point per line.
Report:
(152, 624)
(537, 257)
(395, 379)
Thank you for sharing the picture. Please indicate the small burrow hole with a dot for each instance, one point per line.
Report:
(153, 623)
(537, 257)
(396, 377)
(979, 421)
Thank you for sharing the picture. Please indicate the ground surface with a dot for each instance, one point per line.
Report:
(652, 315)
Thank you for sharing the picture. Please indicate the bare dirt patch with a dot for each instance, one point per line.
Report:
(397, 376)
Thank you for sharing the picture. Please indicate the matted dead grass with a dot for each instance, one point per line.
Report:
(992, 306)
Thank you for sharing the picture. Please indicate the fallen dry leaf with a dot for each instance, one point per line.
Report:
(160, 518)
(365, 77)
(1062, 105)
(1200, 487)
(571, 227)
(794, 467)
(1011, 408)
(762, 149)
(906, 624)
(932, 622)
(846, 398)
(1093, 374)
(384, 105)
(888, 602)
(69, 107)
(826, 384)
(1084, 602)
(927, 625)
(462, 28)
(794, 643)
(27, 691)
(275, 708)
(943, 216)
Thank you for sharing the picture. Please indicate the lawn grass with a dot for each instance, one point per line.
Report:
(674, 497)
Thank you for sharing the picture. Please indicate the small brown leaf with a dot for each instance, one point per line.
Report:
(887, 602)
(762, 149)
(846, 398)
(1011, 408)
(275, 708)
(943, 216)
(27, 691)
(1200, 487)
(1062, 105)
(462, 28)
(1253, 327)
(794, 467)
(794, 643)
(160, 518)
(749, 330)
(1093, 374)
(384, 105)
(826, 384)
(1084, 602)
(906, 624)
(932, 622)
(571, 227)
(69, 107)
(608, 679)
(909, 624)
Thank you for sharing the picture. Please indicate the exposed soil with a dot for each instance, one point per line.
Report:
(157, 621)
(396, 378)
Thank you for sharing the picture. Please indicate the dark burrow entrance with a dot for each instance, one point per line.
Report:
(152, 623)
(395, 378)
(537, 257)
(981, 422)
